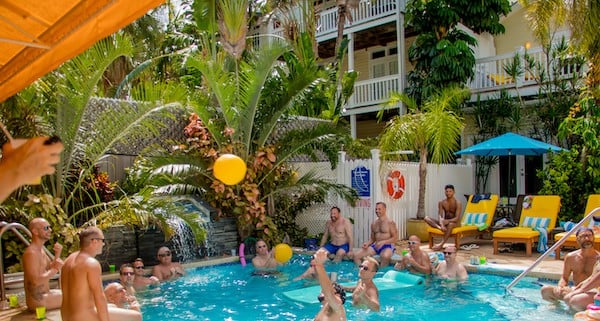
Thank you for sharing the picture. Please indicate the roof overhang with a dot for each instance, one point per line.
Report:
(37, 36)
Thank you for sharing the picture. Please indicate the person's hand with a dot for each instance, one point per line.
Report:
(57, 249)
(32, 160)
(320, 256)
(398, 266)
(57, 264)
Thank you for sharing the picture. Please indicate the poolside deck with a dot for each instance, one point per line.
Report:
(511, 263)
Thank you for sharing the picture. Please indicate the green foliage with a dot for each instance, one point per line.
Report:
(431, 129)
(441, 53)
(564, 176)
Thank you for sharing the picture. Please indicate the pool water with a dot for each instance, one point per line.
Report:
(230, 292)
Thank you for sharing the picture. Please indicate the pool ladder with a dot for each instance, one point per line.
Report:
(16, 228)
(552, 248)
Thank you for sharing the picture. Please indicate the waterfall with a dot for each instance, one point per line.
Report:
(183, 242)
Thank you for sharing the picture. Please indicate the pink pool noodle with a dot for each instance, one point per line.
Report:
(242, 257)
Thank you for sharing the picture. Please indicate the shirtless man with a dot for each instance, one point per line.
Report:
(332, 295)
(449, 211)
(140, 281)
(578, 263)
(450, 269)
(365, 294)
(166, 268)
(126, 277)
(81, 278)
(416, 261)
(39, 269)
(340, 230)
(116, 296)
(263, 260)
(384, 233)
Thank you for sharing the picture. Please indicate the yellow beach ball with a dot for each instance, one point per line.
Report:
(283, 253)
(229, 169)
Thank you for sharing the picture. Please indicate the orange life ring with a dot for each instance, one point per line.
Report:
(395, 184)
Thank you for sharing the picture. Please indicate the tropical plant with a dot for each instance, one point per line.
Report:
(442, 53)
(432, 130)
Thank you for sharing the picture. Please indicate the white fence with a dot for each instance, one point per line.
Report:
(375, 182)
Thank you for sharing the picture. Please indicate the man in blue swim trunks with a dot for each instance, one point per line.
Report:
(384, 234)
(339, 229)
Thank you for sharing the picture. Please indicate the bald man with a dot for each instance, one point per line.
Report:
(39, 268)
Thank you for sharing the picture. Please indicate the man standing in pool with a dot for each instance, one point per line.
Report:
(264, 260)
(332, 295)
(384, 233)
(166, 268)
(416, 261)
(340, 230)
(449, 210)
(450, 269)
(140, 281)
(365, 294)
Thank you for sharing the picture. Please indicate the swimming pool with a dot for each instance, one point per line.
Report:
(230, 292)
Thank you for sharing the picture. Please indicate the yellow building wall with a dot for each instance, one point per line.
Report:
(517, 33)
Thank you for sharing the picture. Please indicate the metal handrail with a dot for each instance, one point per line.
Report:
(14, 227)
(552, 248)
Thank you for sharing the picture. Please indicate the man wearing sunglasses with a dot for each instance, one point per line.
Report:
(365, 294)
(81, 280)
(141, 281)
(39, 269)
(416, 261)
(166, 268)
(332, 295)
(450, 269)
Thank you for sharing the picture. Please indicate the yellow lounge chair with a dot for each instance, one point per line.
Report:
(593, 202)
(475, 213)
(542, 211)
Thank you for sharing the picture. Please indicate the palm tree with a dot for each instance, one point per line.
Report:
(432, 129)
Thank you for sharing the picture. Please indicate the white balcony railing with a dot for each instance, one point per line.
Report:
(490, 73)
(367, 11)
(373, 91)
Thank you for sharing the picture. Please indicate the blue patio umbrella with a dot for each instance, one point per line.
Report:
(507, 145)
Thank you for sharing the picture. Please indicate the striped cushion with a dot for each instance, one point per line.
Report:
(474, 219)
(593, 223)
(534, 222)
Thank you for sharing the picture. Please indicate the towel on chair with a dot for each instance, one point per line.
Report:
(543, 239)
(480, 197)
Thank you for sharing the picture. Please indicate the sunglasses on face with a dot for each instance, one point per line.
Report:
(139, 267)
(165, 254)
(127, 273)
(46, 228)
(98, 239)
(585, 236)
(412, 242)
(363, 267)
(448, 253)
(260, 246)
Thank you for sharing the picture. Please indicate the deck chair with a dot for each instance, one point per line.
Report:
(474, 216)
(593, 202)
(542, 212)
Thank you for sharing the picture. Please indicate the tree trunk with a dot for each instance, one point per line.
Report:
(340, 27)
(422, 183)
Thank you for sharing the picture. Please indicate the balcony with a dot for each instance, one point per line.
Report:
(368, 14)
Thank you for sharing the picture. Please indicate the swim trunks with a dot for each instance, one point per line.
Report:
(386, 246)
(334, 248)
